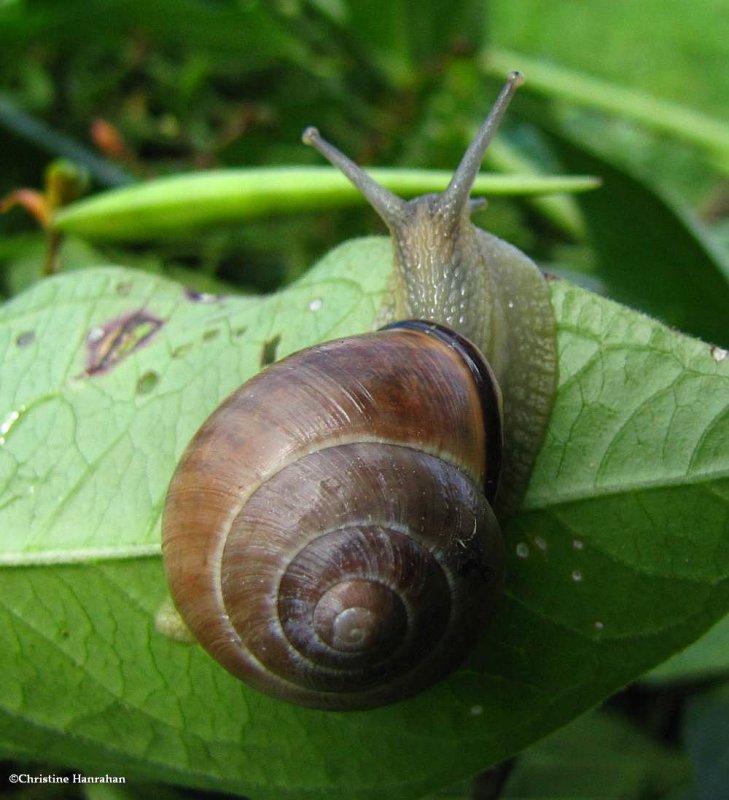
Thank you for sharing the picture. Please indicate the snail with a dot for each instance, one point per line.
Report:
(330, 534)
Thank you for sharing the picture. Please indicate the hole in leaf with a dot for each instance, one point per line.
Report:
(268, 351)
(147, 382)
(180, 351)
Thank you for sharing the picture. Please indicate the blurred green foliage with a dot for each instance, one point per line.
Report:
(192, 85)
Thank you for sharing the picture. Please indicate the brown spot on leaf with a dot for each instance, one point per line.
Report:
(268, 351)
(110, 343)
(25, 338)
(210, 334)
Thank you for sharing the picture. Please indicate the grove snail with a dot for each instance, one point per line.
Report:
(330, 534)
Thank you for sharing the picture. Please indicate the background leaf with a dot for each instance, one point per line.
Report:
(579, 88)
(615, 760)
(706, 658)
(664, 62)
(686, 283)
(706, 730)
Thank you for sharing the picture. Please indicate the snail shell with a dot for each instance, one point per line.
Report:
(343, 552)
(329, 535)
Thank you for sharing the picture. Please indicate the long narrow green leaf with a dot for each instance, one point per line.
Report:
(184, 202)
(582, 89)
(55, 143)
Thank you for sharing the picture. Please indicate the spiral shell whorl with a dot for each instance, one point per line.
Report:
(350, 573)
(336, 569)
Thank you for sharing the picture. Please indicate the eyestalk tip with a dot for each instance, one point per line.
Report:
(516, 79)
(310, 136)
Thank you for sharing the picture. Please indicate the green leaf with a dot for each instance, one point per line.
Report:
(619, 558)
(657, 260)
(706, 658)
(403, 39)
(649, 46)
(580, 88)
(187, 202)
(598, 756)
(706, 733)
(249, 37)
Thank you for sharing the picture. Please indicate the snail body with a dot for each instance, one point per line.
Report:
(330, 534)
